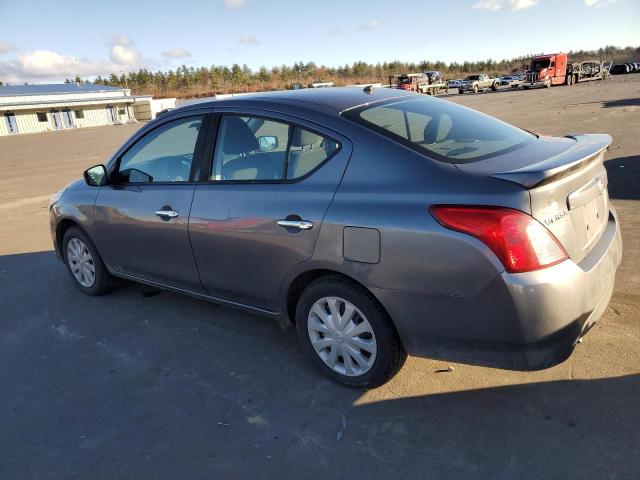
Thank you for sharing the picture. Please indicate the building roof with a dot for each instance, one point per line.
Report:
(55, 88)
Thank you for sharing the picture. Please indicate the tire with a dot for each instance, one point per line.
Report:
(569, 80)
(547, 83)
(460, 91)
(494, 87)
(103, 281)
(475, 89)
(378, 331)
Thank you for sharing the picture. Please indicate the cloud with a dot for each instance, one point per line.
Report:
(6, 47)
(122, 40)
(46, 65)
(513, 5)
(123, 51)
(235, 3)
(176, 53)
(598, 3)
(492, 5)
(248, 41)
(371, 25)
(522, 4)
(42, 65)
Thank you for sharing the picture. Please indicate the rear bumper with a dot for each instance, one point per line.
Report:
(526, 321)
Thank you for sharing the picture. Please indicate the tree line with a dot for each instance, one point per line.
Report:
(189, 82)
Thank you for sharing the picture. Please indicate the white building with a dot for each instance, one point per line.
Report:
(147, 108)
(39, 108)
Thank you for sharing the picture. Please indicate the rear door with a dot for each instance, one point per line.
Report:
(142, 217)
(257, 214)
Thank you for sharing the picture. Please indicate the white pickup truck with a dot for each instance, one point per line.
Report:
(477, 83)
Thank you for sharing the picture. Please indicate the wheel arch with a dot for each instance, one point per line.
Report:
(300, 282)
(61, 229)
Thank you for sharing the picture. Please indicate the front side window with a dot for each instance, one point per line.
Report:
(257, 149)
(163, 155)
(440, 129)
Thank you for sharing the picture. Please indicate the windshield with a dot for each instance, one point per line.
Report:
(473, 77)
(441, 129)
(539, 64)
(403, 80)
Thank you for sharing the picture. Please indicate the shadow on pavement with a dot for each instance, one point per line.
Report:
(624, 102)
(624, 177)
(132, 385)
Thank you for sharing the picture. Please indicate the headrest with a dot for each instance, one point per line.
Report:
(303, 138)
(238, 137)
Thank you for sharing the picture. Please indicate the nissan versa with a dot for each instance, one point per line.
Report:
(380, 222)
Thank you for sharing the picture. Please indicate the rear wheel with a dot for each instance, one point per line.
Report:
(460, 91)
(347, 333)
(83, 262)
(547, 83)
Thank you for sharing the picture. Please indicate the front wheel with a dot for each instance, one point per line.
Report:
(494, 87)
(460, 91)
(475, 89)
(83, 262)
(347, 333)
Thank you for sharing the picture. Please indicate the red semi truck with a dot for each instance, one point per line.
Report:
(546, 70)
(554, 69)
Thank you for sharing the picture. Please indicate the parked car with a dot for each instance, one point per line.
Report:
(480, 242)
(619, 69)
(478, 83)
(454, 83)
(506, 80)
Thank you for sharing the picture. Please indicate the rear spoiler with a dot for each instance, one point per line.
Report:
(588, 148)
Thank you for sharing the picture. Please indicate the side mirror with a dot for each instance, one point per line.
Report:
(268, 143)
(96, 176)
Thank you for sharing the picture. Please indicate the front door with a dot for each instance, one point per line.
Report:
(259, 213)
(57, 121)
(142, 217)
(12, 125)
(67, 118)
(111, 115)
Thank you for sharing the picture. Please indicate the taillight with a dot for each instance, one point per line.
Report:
(520, 242)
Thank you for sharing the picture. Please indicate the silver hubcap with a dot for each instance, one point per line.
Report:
(342, 336)
(81, 262)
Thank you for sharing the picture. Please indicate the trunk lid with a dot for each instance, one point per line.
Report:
(567, 183)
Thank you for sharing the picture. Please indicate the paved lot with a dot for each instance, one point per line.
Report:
(143, 384)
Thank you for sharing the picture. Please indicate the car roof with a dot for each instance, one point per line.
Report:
(325, 100)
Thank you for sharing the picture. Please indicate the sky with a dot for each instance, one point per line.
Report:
(48, 41)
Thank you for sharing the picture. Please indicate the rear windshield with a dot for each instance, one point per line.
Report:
(473, 77)
(441, 129)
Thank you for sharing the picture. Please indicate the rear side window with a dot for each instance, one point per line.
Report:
(258, 149)
(441, 129)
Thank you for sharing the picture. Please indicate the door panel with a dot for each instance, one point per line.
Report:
(67, 119)
(57, 122)
(135, 241)
(241, 251)
(12, 125)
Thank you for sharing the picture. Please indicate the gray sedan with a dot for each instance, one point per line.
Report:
(380, 223)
